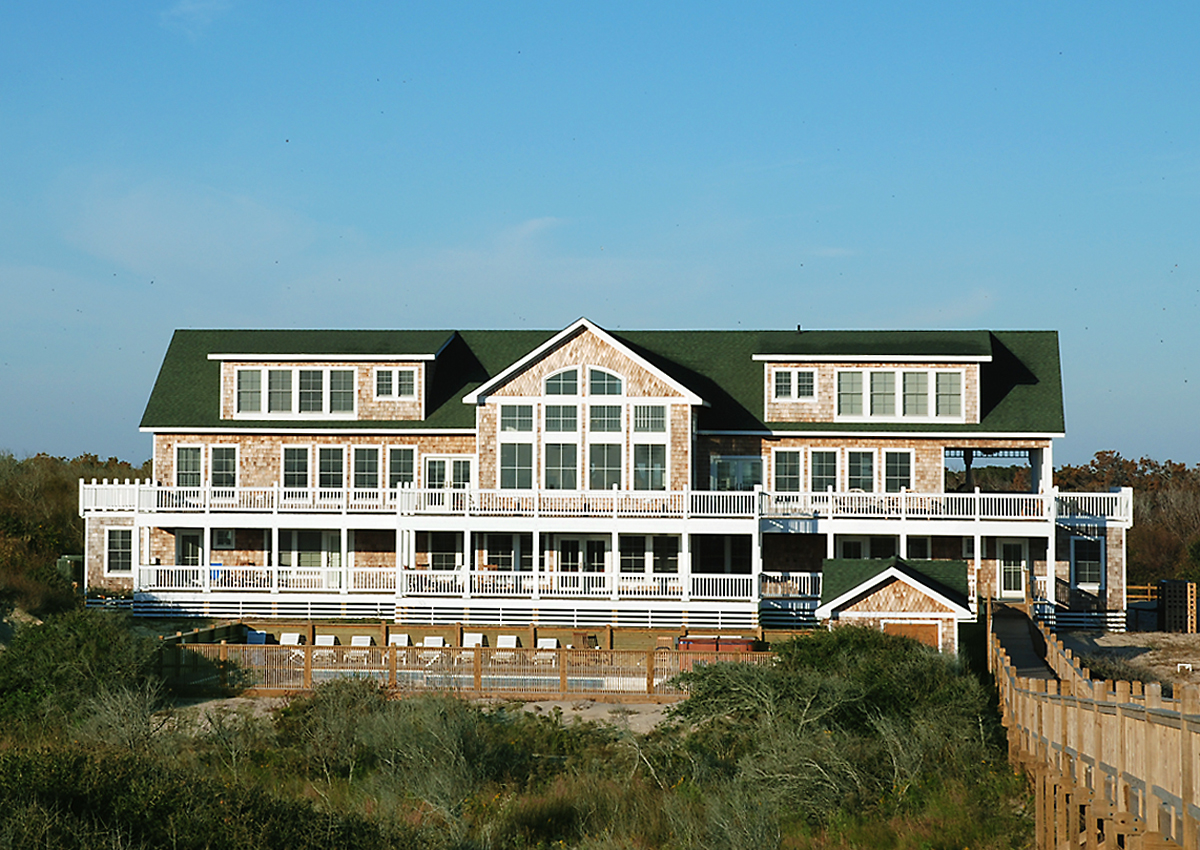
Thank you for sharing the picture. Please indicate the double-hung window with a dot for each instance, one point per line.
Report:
(331, 473)
(312, 391)
(605, 418)
(562, 418)
(633, 553)
(119, 550)
(224, 466)
(295, 467)
(1087, 554)
(916, 393)
(395, 383)
(366, 468)
(279, 391)
(401, 466)
(850, 393)
(823, 466)
(883, 393)
(516, 417)
(249, 391)
(897, 471)
(187, 466)
(341, 391)
(787, 472)
(949, 394)
(794, 385)
(860, 471)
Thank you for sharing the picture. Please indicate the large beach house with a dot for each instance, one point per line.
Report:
(586, 477)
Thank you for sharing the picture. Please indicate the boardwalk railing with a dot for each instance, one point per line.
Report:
(1112, 764)
(523, 673)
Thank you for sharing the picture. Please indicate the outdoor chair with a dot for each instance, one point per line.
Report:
(325, 641)
(399, 640)
(293, 639)
(433, 647)
(359, 651)
(547, 651)
(505, 649)
(254, 637)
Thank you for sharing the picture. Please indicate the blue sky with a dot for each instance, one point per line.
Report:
(693, 165)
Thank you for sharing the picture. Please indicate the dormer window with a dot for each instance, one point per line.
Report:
(794, 385)
(564, 383)
(295, 393)
(900, 394)
(603, 383)
(395, 384)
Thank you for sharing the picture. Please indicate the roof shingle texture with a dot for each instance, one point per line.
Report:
(1021, 385)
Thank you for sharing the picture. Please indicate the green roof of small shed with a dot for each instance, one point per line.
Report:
(842, 575)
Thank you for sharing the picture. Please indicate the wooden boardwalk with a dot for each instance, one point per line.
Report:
(1113, 764)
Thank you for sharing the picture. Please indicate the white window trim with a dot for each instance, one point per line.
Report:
(1091, 587)
(213, 545)
(380, 466)
(546, 432)
(387, 462)
(294, 413)
(1001, 593)
(713, 459)
(282, 466)
(580, 468)
(237, 462)
(588, 369)
(804, 482)
(635, 442)
(898, 416)
(648, 436)
(794, 371)
(875, 470)
(578, 383)
(132, 549)
(608, 436)
(203, 458)
(395, 373)
(928, 545)
(347, 473)
(586, 462)
(423, 467)
(912, 467)
(839, 466)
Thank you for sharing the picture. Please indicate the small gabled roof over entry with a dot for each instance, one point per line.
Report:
(846, 582)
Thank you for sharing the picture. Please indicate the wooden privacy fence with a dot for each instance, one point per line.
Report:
(1112, 764)
(520, 673)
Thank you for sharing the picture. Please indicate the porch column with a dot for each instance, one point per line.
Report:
(614, 563)
(978, 552)
(343, 541)
(756, 564)
(135, 555)
(468, 546)
(829, 548)
(274, 560)
(685, 565)
(1052, 548)
(537, 563)
(401, 550)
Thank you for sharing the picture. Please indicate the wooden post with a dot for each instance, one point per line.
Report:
(1189, 706)
(222, 668)
(477, 662)
(308, 659)
(392, 651)
(564, 658)
(649, 671)
(1120, 786)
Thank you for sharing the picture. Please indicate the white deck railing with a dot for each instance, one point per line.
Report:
(152, 498)
(455, 583)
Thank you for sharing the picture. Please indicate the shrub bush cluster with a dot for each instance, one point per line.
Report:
(853, 737)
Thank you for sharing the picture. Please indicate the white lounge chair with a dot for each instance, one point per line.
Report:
(291, 639)
(325, 654)
(505, 648)
(360, 648)
(473, 639)
(547, 651)
(433, 649)
(399, 640)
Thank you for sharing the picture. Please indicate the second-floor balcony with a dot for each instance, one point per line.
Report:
(1113, 507)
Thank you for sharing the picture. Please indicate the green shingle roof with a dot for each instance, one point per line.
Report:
(1022, 387)
(842, 575)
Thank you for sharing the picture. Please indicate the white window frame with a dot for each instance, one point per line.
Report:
(928, 546)
(545, 410)
(714, 459)
(838, 466)
(237, 396)
(1001, 593)
(308, 450)
(237, 458)
(316, 473)
(794, 382)
(394, 372)
(666, 463)
(218, 542)
(175, 464)
(387, 472)
(108, 531)
(875, 470)
(578, 382)
(865, 540)
(547, 441)
(912, 468)
(423, 469)
(624, 383)
(898, 415)
(1090, 587)
(797, 450)
(380, 466)
(294, 412)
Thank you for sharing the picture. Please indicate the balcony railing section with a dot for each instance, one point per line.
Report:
(152, 498)
(790, 585)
